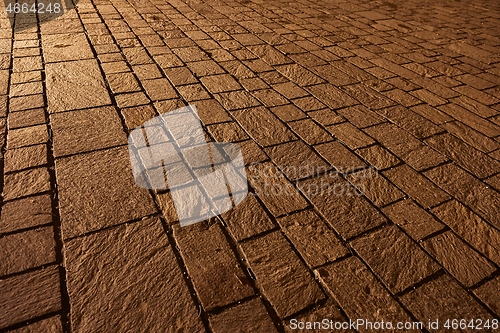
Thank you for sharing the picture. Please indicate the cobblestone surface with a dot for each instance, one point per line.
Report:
(390, 110)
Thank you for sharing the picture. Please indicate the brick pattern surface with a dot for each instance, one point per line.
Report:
(371, 138)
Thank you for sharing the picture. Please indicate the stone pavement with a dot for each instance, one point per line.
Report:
(399, 101)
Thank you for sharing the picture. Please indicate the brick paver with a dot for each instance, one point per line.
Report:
(370, 132)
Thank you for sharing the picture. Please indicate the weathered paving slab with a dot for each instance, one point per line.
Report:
(109, 290)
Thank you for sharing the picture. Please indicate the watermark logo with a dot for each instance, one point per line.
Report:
(26, 14)
(170, 152)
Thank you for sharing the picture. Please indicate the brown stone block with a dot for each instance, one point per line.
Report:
(284, 279)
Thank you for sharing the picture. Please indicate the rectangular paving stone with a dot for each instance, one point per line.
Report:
(25, 158)
(375, 187)
(482, 199)
(473, 51)
(310, 132)
(489, 294)
(141, 275)
(443, 299)
(251, 316)
(284, 279)
(27, 136)
(247, 219)
(26, 250)
(25, 213)
(471, 228)
(471, 159)
(65, 47)
(49, 325)
(277, 193)
(205, 251)
(97, 190)
(341, 158)
(316, 243)
(416, 185)
(29, 295)
(235, 100)
(367, 96)
(351, 136)
(378, 156)
(358, 292)
(345, 210)
(395, 258)
(269, 54)
(26, 118)
(259, 122)
(360, 116)
(75, 85)
(467, 117)
(463, 263)
(159, 89)
(405, 146)
(474, 106)
(86, 130)
(288, 112)
(436, 116)
(471, 136)
(297, 160)
(220, 83)
(332, 96)
(26, 102)
(417, 222)
(25, 183)
(410, 121)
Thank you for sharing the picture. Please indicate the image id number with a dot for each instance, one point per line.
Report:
(39, 8)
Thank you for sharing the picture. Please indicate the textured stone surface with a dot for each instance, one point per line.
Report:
(375, 187)
(86, 130)
(329, 310)
(417, 222)
(418, 187)
(277, 194)
(50, 325)
(116, 279)
(489, 294)
(379, 249)
(469, 158)
(408, 90)
(81, 80)
(358, 292)
(472, 228)
(26, 213)
(212, 265)
(283, 277)
(26, 250)
(247, 219)
(24, 183)
(297, 160)
(27, 136)
(29, 295)
(443, 299)
(64, 47)
(25, 158)
(316, 243)
(251, 316)
(259, 122)
(97, 190)
(470, 191)
(458, 258)
(348, 213)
